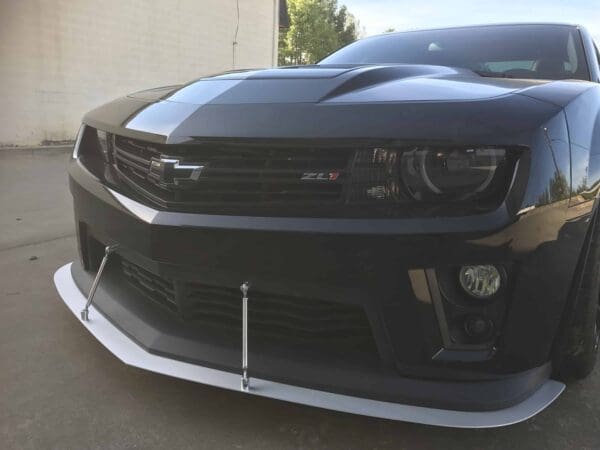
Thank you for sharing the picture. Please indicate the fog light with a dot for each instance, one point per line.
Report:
(480, 281)
(478, 327)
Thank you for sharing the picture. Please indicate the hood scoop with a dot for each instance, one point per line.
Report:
(371, 76)
(314, 72)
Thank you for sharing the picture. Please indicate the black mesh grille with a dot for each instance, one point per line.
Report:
(233, 173)
(278, 316)
(294, 320)
(154, 287)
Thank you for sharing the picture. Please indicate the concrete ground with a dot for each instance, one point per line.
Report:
(60, 389)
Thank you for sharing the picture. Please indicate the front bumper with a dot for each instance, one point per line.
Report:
(132, 354)
(362, 263)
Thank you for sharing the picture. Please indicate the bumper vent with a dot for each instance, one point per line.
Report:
(294, 320)
(156, 288)
(277, 316)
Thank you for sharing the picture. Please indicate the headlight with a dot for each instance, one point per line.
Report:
(433, 174)
(94, 151)
(450, 173)
(93, 144)
(78, 139)
(104, 140)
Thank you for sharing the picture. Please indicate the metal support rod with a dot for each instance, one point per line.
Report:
(86, 311)
(245, 379)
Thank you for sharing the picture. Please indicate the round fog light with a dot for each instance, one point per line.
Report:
(480, 281)
(478, 327)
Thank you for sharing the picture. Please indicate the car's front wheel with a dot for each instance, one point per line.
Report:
(578, 350)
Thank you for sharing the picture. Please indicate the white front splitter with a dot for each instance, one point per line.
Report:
(130, 353)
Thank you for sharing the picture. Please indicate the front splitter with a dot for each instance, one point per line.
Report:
(132, 354)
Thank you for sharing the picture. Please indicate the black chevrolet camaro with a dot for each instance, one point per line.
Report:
(407, 229)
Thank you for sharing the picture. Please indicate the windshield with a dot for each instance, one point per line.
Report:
(553, 52)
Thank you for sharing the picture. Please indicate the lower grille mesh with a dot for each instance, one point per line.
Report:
(156, 288)
(277, 316)
(294, 320)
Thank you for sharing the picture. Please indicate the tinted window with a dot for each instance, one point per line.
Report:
(526, 51)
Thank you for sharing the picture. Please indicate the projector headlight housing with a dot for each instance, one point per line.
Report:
(434, 175)
(453, 173)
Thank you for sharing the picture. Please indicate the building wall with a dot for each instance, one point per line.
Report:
(61, 58)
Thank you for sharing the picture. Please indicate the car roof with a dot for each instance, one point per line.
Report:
(488, 25)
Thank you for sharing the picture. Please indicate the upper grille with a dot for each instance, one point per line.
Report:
(230, 173)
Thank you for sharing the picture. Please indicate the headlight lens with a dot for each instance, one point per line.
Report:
(429, 173)
(104, 144)
(78, 139)
(93, 144)
(437, 175)
(95, 151)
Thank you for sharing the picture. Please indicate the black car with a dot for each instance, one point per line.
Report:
(407, 229)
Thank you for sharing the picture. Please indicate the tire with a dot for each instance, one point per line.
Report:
(581, 339)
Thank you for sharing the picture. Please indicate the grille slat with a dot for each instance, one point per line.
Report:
(275, 320)
(131, 158)
(132, 165)
(299, 318)
(247, 193)
(221, 294)
(273, 178)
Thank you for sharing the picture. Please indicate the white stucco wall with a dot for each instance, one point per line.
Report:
(61, 58)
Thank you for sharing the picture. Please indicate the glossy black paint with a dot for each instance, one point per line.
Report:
(538, 232)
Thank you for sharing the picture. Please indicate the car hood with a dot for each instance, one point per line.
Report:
(391, 101)
(326, 84)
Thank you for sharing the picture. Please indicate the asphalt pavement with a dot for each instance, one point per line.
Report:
(61, 389)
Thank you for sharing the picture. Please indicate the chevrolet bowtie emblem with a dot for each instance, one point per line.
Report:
(170, 172)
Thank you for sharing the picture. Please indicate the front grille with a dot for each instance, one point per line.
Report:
(230, 173)
(278, 318)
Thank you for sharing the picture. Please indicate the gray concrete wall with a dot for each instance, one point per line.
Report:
(61, 58)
